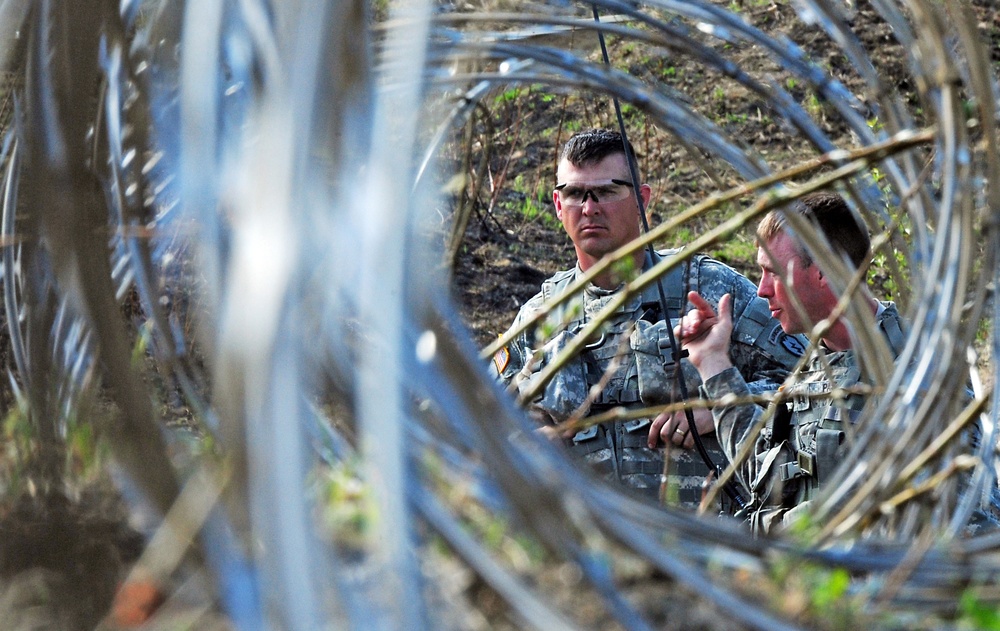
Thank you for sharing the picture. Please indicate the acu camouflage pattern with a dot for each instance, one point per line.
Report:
(634, 358)
(783, 473)
(802, 445)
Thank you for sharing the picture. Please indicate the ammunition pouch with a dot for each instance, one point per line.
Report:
(653, 361)
(655, 364)
(816, 461)
(618, 451)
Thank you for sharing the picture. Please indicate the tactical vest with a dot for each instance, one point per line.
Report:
(645, 375)
(813, 424)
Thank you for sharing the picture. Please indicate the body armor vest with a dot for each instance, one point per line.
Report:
(631, 365)
(813, 425)
(815, 429)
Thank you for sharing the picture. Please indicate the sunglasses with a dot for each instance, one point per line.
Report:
(576, 193)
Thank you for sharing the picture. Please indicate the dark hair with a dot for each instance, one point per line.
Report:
(593, 145)
(829, 212)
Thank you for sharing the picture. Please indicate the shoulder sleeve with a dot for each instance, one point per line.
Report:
(733, 423)
(509, 360)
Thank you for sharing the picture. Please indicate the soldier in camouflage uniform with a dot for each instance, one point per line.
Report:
(632, 361)
(801, 446)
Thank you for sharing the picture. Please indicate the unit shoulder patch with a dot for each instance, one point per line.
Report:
(790, 343)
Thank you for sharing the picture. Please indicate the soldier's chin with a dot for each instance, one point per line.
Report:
(791, 328)
(596, 247)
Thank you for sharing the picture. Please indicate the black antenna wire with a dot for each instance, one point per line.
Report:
(675, 348)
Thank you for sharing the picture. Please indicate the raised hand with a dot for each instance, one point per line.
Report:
(705, 334)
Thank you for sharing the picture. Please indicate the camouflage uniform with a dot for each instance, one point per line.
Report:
(645, 371)
(798, 450)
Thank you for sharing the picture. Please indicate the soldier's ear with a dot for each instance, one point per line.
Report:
(820, 277)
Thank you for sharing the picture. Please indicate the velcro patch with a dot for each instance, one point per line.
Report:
(500, 359)
(789, 342)
(792, 344)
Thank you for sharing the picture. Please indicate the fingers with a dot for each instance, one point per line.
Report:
(726, 309)
(656, 429)
(676, 432)
(690, 325)
(697, 321)
(687, 440)
(701, 304)
(668, 427)
(705, 310)
(682, 437)
(673, 428)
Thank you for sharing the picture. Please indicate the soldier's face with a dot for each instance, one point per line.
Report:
(796, 293)
(598, 227)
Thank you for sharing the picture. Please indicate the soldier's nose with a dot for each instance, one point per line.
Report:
(763, 289)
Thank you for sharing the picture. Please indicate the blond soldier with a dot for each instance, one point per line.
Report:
(798, 451)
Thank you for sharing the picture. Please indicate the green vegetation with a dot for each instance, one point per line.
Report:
(84, 455)
(509, 96)
(535, 203)
(738, 251)
(347, 506)
(817, 595)
(812, 104)
(976, 613)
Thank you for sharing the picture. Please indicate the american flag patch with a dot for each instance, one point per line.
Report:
(500, 359)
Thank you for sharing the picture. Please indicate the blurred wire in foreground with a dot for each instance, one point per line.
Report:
(293, 412)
